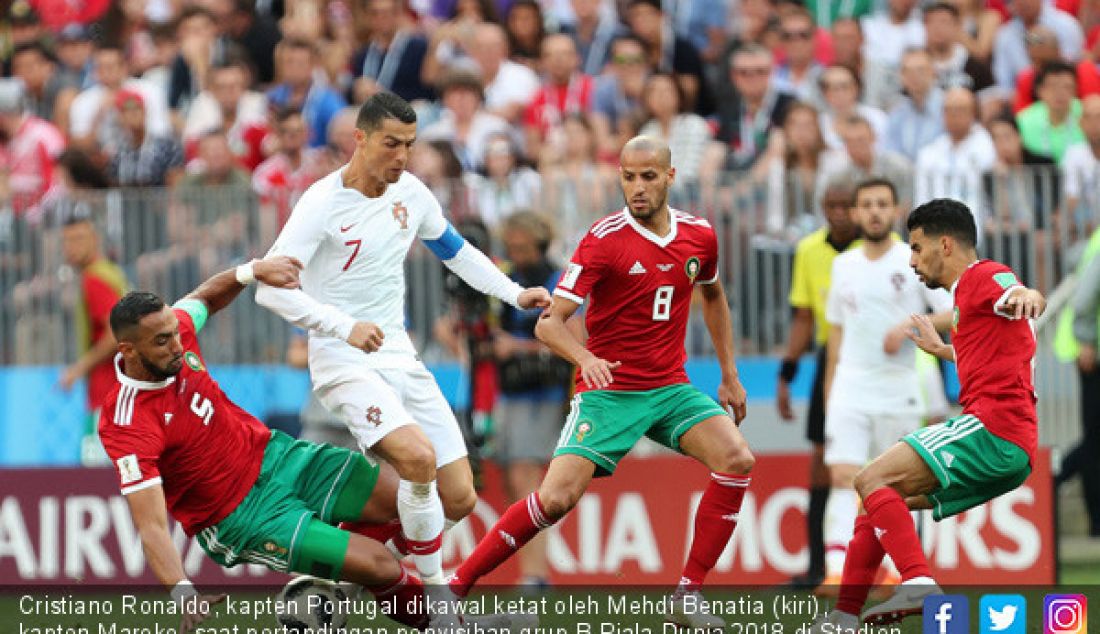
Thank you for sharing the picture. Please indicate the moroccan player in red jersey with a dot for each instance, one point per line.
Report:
(638, 269)
(250, 494)
(967, 460)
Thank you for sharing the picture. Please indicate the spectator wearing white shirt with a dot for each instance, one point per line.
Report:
(953, 164)
(93, 120)
(687, 134)
(509, 87)
(228, 105)
(1081, 164)
(863, 159)
(464, 121)
(886, 35)
(1010, 46)
(841, 89)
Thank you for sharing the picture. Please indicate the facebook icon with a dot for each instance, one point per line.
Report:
(946, 614)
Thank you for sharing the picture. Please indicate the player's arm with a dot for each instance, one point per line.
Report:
(923, 333)
(716, 315)
(553, 330)
(147, 507)
(219, 291)
(941, 321)
(798, 342)
(832, 354)
(477, 270)
(1021, 302)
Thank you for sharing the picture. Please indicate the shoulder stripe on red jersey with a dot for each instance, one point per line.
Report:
(610, 219)
(570, 296)
(124, 405)
(609, 229)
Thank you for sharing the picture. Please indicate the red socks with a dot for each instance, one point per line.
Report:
(714, 523)
(861, 564)
(406, 597)
(519, 524)
(895, 530)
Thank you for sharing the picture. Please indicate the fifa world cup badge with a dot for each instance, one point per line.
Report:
(401, 214)
(955, 320)
(691, 267)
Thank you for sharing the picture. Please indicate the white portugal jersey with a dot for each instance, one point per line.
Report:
(354, 250)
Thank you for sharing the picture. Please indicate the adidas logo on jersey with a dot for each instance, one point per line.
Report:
(637, 269)
(167, 417)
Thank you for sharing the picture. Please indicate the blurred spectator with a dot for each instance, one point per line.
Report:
(507, 185)
(56, 14)
(200, 49)
(216, 167)
(1050, 125)
(955, 65)
(862, 159)
(29, 146)
(744, 124)
(534, 382)
(47, 94)
(565, 91)
(524, 24)
(127, 24)
(1042, 49)
(617, 110)
(952, 165)
(165, 50)
(256, 33)
(144, 159)
(509, 87)
(847, 36)
(102, 284)
(841, 88)
(458, 37)
(594, 32)
(1010, 56)
(228, 105)
(435, 163)
(701, 22)
(282, 179)
(888, 33)
(93, 119)
(686, 133)
(1081, 164)
(827, 13)
(669, 53)
(23, 27)
(576, 186)
(918, 118)
(798, 73)
(212, 203)
(341, 137)
(791, 165)
(1021, 189)
(979, 27)
(299, 90)
(393, 56)
(75, 56)
(464, 121)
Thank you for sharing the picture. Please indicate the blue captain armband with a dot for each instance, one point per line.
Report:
(447, 245)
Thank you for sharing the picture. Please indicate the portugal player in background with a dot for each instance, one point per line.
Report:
(638, 269)
(967, 460)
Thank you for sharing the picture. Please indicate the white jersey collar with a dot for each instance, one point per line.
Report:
(139, 385)
(649, 235)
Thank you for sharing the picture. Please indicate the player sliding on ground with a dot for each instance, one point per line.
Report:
(967, 460)
(638, 269)
(248, 493)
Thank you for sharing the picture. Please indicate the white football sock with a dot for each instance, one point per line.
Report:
(840, 521)
(422, 521)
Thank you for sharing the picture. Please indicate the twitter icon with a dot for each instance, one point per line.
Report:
(1003, 614)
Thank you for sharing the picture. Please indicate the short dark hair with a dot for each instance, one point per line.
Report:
(381, 106)
(34, 46)
(656, 4)
(131, 309)
(195, 11)
(1056, 67)
(945, 217)
(282, 115)
(946, 7)
(876, 181)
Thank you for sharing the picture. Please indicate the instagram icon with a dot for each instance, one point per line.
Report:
(1065, 614)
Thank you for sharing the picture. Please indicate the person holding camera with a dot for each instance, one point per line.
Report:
(534, 382)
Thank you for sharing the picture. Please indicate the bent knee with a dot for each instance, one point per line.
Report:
(739, 461)
(558, 501)
(415, 462)
(458, 507)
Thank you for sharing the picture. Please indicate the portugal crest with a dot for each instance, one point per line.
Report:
(401, 214)
(374, 415)
(193, 361)
(691, 267)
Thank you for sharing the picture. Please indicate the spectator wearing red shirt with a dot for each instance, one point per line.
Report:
(565, 91)
(1042, 48)
(29, 147)
(282, 179)
(102, 283)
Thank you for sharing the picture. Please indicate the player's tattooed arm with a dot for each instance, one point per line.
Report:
(219, 291)
(923, 333)
(147, 507)
(552, 330)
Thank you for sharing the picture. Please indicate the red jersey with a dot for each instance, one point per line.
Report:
(186, 430)
(639, 288)
(103, 283)
(994, 355)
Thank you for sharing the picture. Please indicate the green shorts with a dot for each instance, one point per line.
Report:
(299, 481)
(972, 465)
(603, 425)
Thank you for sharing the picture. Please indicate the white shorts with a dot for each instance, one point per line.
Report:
(853, 436)
(374, 402)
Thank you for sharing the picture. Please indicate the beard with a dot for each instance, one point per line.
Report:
(873, 236)
(650, 210)
(171, 370)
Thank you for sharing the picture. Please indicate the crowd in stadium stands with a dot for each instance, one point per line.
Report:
(524, 104)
